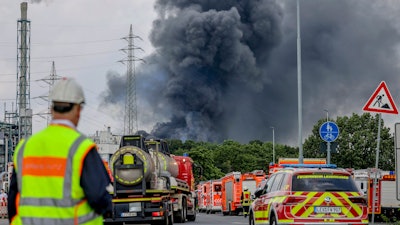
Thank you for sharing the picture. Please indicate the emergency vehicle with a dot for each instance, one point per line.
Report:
(232, 188)
(201, 196)
(309, 196)
(231, 193)
(213, 196)
(150, 184)
(386, 204)
(252, 180)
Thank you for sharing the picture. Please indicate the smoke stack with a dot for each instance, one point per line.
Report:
(24, 10)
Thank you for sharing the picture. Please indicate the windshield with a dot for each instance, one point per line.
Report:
(323, 182)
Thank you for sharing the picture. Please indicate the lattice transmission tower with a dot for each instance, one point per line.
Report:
(50, 80)
(130, 117)
(24, 110)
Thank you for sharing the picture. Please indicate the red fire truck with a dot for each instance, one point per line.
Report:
(213, 196)
(232, 187)
(252, 180)
(201, 195)
(231, 192)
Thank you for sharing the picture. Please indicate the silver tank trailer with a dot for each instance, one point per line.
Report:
(134, 176)
(166, 163)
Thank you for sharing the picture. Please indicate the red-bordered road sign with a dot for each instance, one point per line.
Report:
(381, 101)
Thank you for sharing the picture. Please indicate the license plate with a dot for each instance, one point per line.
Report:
(328, 209)
(128, 214)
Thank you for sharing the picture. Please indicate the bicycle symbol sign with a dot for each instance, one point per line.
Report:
(329, 131)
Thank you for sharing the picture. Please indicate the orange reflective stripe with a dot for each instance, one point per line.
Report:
(44, 166)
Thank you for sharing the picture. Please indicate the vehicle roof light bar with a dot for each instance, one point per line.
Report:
(333, 166)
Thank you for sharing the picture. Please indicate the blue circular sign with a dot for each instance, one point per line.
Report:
(329, 131)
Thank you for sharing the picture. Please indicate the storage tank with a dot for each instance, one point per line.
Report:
(166, 163)
(127, 166)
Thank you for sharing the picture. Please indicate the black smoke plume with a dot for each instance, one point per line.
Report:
(228, 70)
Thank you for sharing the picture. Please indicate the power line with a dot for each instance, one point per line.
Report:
(63, 70)
(74, 43)
(62, 56)
(12, 44)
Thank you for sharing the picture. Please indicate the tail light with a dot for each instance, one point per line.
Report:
(358, 200)
(154, 214)
(291, 200)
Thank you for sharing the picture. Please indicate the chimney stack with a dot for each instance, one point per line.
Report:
(24, 11)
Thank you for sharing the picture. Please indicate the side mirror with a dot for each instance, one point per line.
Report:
(258, 193)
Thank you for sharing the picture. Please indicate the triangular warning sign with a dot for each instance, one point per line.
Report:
(381, 101)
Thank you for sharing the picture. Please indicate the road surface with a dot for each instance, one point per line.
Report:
(208, 219)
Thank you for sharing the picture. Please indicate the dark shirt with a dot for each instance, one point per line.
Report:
(94, 179)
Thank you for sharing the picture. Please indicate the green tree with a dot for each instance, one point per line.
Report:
(356, 143)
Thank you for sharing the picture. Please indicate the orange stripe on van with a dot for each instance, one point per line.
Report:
(44, 166)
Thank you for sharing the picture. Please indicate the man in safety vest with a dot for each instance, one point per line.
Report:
(245, 200)
(58, 175)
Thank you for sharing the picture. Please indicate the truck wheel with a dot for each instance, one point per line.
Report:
(191, 217)
(184, 211)
(168, 220)
(168, 216)
(180, 216)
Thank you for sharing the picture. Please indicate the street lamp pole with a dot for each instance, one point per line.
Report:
(299, 95)
(273, 145)
(327, 115)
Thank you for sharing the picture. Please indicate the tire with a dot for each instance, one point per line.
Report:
(191, 217)
(272, 220)
(168, 219)
(182, 213)
(160, 222)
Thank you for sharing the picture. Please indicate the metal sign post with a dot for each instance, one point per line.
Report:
(378, 140)
(397, 152)
(381, 101)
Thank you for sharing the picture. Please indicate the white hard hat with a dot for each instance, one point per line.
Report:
(245, 188)
(67, 90)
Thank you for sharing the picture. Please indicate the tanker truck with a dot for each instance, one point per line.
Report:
(150, 185)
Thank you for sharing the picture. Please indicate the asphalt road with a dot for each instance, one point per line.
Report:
(208, 219)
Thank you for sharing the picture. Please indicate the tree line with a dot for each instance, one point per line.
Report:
(354, 148)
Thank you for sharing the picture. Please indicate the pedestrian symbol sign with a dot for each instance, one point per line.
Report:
(381, 101)
(329, 131)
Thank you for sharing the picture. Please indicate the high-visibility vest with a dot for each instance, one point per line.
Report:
(48, 167)
(246, 198)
